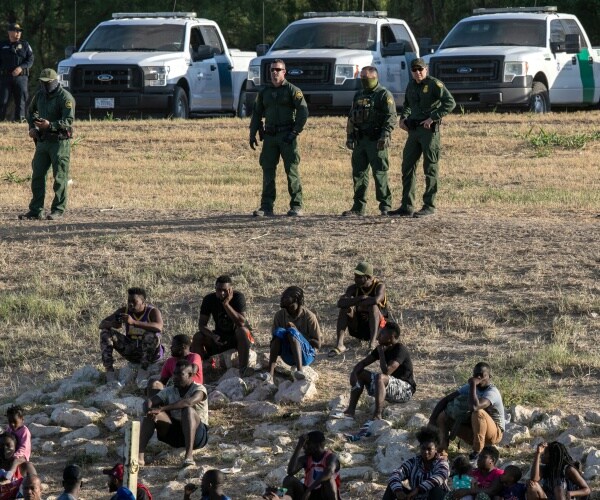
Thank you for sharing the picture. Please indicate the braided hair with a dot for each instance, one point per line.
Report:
(296, 293)
(557, 461)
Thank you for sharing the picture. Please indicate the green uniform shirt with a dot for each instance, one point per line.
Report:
(428, 99)
(280, 106)
(373, 111)
(58, 108)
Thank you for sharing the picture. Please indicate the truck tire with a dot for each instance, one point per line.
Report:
(539, 101)
(242, 110)
(180, 107)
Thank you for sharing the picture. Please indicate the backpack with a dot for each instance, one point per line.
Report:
(459, 411)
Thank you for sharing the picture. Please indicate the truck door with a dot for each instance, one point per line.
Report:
(203, 75)
(224, 66)
(395, 74)
(585, 60)
(567, 87)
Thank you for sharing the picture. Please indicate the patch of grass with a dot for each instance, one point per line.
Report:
(14, 178)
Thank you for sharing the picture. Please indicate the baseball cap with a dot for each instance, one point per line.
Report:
(14, 27)
(419, 62)
(72, 473)
(364, 268)
(116, 472)
(47, 75)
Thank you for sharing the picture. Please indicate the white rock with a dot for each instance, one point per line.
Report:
(234, 388)
(256, 488)
(298, 392)
(308, 420)
(90, 431)
(401, 411)
(133, 405)
(338, 403)
(68, 443)
(263, 392)
(283, 440)
(593, 458)
(514, 433)
(310, 373)
(96, 448)
(38, 418)
(336, 425)
(103, 398)
(116, 420)
(269, 431)
(389, 458)
(48, 446)
(521, 415)
(567, 439)
(548, 425)
(188, 473)
(593, 416)
(363, 473)
(216, 400)
(171, 490)
(362, 490)
(230, 373)
(86, 374)
(591, 473)
(380, 426)
(575, 420)
(394, 437)
(69, 389)
(231, 358)
(28, 397)
(42, 431)
(261, 409)
(75, 417)
(417, 421)
(276, 476)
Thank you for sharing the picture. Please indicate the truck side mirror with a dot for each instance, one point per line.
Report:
(262, 49)
(393, 49)
(202, 52)
(572, 44)
(70, 50)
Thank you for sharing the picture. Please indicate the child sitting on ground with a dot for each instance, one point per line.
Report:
(17, 428)
(461, 477)
(512, 489)
(486, 476)
(555, 475)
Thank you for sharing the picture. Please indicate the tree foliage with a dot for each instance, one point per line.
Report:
(52, 25)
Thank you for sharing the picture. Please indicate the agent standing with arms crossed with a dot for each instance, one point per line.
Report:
(285, 112)
(50, 118)
(427, 102)
(16, 59)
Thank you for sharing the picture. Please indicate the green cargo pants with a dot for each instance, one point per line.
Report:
(420, 141)
(273, 148)
(365, 153)
(57, 154)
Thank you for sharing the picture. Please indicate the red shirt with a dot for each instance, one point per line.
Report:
(169, 367)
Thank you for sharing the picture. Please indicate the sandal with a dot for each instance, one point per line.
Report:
(336, 351)
(340, 415)
(188, 462)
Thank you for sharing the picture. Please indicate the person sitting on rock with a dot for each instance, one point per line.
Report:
(424, 476)
(72, 482)
(178, 413)
(16, 426)
(227, 307)
(296, 334)
(115, 481)
(10, 482)
(180, 349)
(555, 475)
(321, 470)
(474, 412)
(211, 487)
(394, 382)
(363, 309)
(141, 342)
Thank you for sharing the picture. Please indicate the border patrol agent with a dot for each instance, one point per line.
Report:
(370, 124)
(50, 118)
(285, 112)
(16, 59)
(427, 102)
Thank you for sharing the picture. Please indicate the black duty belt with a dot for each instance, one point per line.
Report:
(269, 130)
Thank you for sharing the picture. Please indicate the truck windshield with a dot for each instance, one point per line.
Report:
(480, 32)
(136, 37)
(328, 36)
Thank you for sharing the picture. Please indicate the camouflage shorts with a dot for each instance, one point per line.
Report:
(144, 351)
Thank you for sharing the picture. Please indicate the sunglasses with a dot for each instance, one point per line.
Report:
(277, 70)
(417, 69)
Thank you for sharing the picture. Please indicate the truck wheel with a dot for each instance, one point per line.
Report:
(539, 101)
(180, 107)
(242, 110)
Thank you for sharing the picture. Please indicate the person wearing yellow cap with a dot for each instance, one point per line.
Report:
(16, 59)
(50, 118)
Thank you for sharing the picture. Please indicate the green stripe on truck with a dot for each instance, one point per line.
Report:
(586, 71)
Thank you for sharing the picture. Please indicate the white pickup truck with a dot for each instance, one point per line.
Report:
(166, 63)
(325, 51)
(527, 57)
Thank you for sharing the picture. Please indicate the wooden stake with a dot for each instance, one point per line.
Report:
(132, 448)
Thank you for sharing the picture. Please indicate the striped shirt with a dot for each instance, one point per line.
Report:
(414, 470)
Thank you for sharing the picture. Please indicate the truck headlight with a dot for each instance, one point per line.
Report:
(254, 74)
(512, 69)
(155, 76)
(64, 72)
(345, 72)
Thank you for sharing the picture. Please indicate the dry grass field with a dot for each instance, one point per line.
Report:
(507, 271)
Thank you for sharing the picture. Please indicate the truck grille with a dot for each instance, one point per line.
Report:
(303, 71)
(466, 70)
(107, 79)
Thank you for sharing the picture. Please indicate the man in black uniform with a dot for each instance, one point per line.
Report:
(16, 59)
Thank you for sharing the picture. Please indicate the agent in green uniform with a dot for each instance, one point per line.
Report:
(370, 124)
(50, 118)
(285, 112)
(427, 101)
